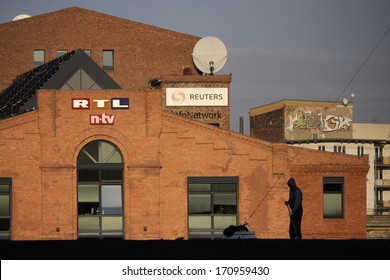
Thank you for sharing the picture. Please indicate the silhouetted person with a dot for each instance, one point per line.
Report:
(295, 204)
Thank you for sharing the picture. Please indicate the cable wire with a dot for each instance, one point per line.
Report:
(247, 221)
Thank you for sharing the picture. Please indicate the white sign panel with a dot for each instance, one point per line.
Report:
(197, 97)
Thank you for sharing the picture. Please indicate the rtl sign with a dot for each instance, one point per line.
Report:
(101, 104)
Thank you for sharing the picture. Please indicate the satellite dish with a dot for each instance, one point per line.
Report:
(345, 101)
(209, 55)
(22, 16)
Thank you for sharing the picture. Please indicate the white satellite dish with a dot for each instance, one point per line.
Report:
(209, 55)
(345, 101)
(22, 16)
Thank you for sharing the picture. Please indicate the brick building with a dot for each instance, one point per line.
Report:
(287, 120)
(90, 148)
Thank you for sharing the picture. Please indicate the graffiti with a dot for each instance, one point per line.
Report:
(332, 123)
(310, 120)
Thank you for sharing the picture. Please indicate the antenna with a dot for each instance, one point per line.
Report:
(209, 55)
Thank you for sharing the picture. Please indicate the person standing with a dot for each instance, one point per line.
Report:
(296, 213)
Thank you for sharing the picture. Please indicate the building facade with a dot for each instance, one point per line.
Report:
(91, 151)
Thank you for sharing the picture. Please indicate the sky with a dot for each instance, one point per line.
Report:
(321, 50)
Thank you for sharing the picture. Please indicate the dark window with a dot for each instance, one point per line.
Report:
(39, 57)
(321, 148)
(333, 197)
(108, 59)
(360, 150)
(100, 181)
(339, 149)
(5, 208)
(212, 205)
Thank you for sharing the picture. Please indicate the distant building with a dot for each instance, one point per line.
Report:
(328, 127)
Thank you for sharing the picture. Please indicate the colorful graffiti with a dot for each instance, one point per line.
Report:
(310, 120)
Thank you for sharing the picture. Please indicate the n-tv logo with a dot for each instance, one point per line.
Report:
(102, 119)
(100, 103)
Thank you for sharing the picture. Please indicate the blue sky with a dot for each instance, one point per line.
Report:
(277, 49)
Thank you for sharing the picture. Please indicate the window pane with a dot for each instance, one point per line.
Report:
(92, 149)
(222, 222)
(199, 222)
(74, 82)
(108, 59)
(199, 187)
(224, 187)
(106, 151)
(61, 53)
(112, 223)
(4, 205)
(199, 204)
(333, 187)
(89, 193)
(5, 224)
(83, 157)
(89, 223)
(111, 199)
(39, 57)
(4, 188)
(225, 204)
(112, 175)
(88, 175)
(88, 52)
(333, 205)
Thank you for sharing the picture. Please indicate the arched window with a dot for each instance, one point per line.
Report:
(99, 190)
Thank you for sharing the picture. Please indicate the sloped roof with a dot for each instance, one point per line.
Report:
(20, 96)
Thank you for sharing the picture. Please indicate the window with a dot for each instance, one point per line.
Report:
(100, 181)
(80, 80)
(39, 57)
(61, 53)
(88, 52)
(5, 208)
(333, 188)
(378, 153)
(321, 148)
(360, 150)
(108, 59)
(212, 205)
(339, 149)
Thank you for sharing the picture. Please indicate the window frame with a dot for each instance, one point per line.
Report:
(6, 234)
(334, 181)
(37, 63)
(97, 168)
(212, 232)
(60, 53)
(112, 57)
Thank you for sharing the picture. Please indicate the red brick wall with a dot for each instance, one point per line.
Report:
(39, 151)
(141, 51)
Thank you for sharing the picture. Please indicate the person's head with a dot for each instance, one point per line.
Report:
(291, 183)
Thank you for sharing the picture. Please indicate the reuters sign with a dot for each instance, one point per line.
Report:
(197, 97)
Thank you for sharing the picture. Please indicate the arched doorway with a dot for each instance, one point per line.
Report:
(99, 190)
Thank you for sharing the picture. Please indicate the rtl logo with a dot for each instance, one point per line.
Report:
(100, 104)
